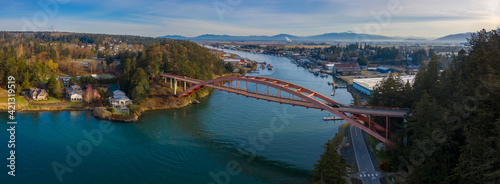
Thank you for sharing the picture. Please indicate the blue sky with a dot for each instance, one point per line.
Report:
(420, 18)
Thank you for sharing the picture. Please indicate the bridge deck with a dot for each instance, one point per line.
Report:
(300, 96)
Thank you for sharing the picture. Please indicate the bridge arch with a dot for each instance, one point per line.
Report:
(309, 98)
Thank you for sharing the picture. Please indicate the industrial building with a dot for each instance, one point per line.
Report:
(366, 85)
(347, 68)
(382, 69)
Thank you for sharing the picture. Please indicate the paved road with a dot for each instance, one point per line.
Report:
(367, 172)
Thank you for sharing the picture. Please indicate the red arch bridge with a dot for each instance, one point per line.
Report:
(274, 90)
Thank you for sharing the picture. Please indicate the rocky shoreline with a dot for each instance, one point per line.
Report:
(103, 114)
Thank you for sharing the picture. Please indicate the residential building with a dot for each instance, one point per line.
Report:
(37, 94)
(120, 100)
(74, 93)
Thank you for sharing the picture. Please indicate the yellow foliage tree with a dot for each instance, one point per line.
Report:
(51, 65)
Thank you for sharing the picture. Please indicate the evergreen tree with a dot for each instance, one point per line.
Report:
(331, 167)
(26, 81)
(140, 86)
(54, 87)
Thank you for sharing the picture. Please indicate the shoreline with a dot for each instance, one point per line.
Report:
(184, 102)
(102, 114)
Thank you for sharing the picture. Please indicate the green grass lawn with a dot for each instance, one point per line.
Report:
(49, 100)
(120, 112)
(76, 104)
(19, 100)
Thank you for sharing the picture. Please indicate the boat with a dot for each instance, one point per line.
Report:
(315, 73)
(269, 67)
(323, 75)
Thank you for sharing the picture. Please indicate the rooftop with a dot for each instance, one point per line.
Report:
(370, 83)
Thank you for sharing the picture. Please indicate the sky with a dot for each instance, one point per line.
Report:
(418, 18)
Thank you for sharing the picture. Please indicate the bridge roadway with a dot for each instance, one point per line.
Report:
(274, 98)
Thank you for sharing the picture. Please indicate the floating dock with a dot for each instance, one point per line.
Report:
(333, 118)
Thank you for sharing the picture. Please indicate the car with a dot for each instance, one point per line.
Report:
(336, 106)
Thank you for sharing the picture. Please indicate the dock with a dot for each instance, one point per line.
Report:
(333, 118)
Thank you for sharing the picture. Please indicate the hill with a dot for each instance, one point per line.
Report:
(345, 36)
(460, 37)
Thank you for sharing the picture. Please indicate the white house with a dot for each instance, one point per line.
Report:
(74, 93)
(76, 97)
(120, 100)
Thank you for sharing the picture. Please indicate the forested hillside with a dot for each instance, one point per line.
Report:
(176, 57)
(33, 57)
(452, 132)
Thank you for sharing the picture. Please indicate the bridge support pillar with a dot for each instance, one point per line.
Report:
(369, 121)
(175, 86)
(185, 85)
(171, 87)
(387, 127)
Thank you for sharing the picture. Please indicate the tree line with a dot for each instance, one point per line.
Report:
(452, 130)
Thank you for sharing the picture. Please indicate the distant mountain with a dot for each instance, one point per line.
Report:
(346, 36)
(461, 37)
(327, 37)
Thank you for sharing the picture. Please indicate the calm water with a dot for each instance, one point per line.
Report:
(182, 145)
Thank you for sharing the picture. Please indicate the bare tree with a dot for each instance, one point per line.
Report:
(92, 66)
(88, 96)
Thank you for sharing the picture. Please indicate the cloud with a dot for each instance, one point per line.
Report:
(430, 18)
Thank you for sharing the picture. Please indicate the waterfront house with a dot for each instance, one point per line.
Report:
(120, 100)
(37, 94)
(74, 93)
